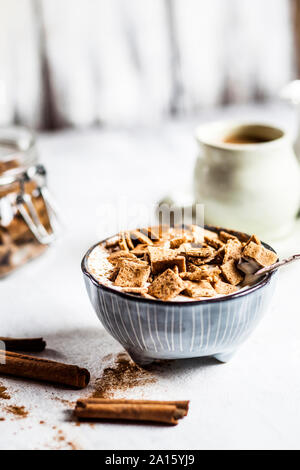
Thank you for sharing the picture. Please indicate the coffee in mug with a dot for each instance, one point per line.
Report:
(247, 176)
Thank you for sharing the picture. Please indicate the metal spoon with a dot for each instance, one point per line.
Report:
(253, 275)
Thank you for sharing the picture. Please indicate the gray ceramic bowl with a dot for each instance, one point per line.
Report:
(151, 329)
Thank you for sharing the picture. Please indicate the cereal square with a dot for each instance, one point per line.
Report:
(231, 273)
(163, 258)
(191, 267)
(122, 242)
(199, 289)
(115, 257)
(113, 274)
(200, 252)
(134, 290)
(207, 273)
(224, 288)
(177, 242)
(166, 286)
(128, 240)
(140, 249)
(260, 254)
(232, 250)
(201, 261)
(132, 274)
(214, 242)
(254, 239)
(140, 237)
(225, 236)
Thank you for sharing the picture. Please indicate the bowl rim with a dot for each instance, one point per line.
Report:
(262, 283)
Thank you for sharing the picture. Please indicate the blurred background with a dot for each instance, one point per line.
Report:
(77, 63)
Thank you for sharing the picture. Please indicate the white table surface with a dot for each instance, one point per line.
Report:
(251, 402)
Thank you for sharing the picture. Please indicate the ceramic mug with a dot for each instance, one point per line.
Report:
(248, 177)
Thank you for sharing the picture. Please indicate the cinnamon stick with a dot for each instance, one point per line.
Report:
(183, 405)
(132, 410)
(20, 365)
(24, 344)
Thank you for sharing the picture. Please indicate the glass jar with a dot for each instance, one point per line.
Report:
(28, 219)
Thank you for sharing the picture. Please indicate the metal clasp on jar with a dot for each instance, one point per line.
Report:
(28, 211)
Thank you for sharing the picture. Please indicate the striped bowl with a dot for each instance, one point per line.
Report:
(151, 329)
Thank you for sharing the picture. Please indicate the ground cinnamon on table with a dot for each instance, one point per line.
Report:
(122, 376)
(3, 393)
(63, 401)
(18, 411)
(20, 365)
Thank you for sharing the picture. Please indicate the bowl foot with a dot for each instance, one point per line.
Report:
(139, 359)
(225, 357)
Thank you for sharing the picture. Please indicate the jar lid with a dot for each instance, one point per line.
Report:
(17, 153)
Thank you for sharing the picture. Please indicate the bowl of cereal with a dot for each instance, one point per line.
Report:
(175, 293)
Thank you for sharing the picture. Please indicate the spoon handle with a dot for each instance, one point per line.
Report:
(274, 266)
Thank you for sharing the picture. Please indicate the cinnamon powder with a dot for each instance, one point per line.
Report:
(124, 375)
(3, 393)
(18, 411)
(61, 439)
(65, 402)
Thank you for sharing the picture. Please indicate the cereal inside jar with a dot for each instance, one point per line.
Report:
(27, 217)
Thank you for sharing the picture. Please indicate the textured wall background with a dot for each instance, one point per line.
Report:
(123, 62)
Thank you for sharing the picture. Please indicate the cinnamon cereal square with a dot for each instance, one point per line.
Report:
(194, 276)
(200, 260)
(231, 273)
(225, 236)
(177, 242)
(199, 289)
(163, 258)
(219, 258)
(122, 242)
(200, 252)
(214, 242)
(175, 269)
(191, 267)
(132, 274)
(260, 254)
(166, 286)
(128, 240)
(140, 237)
(224, 288)
(140, 249)
(134, 290)
(115, 257)
(207, 273)
(112, 243)
(232, 250)
(113, 274)
(254, 239)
